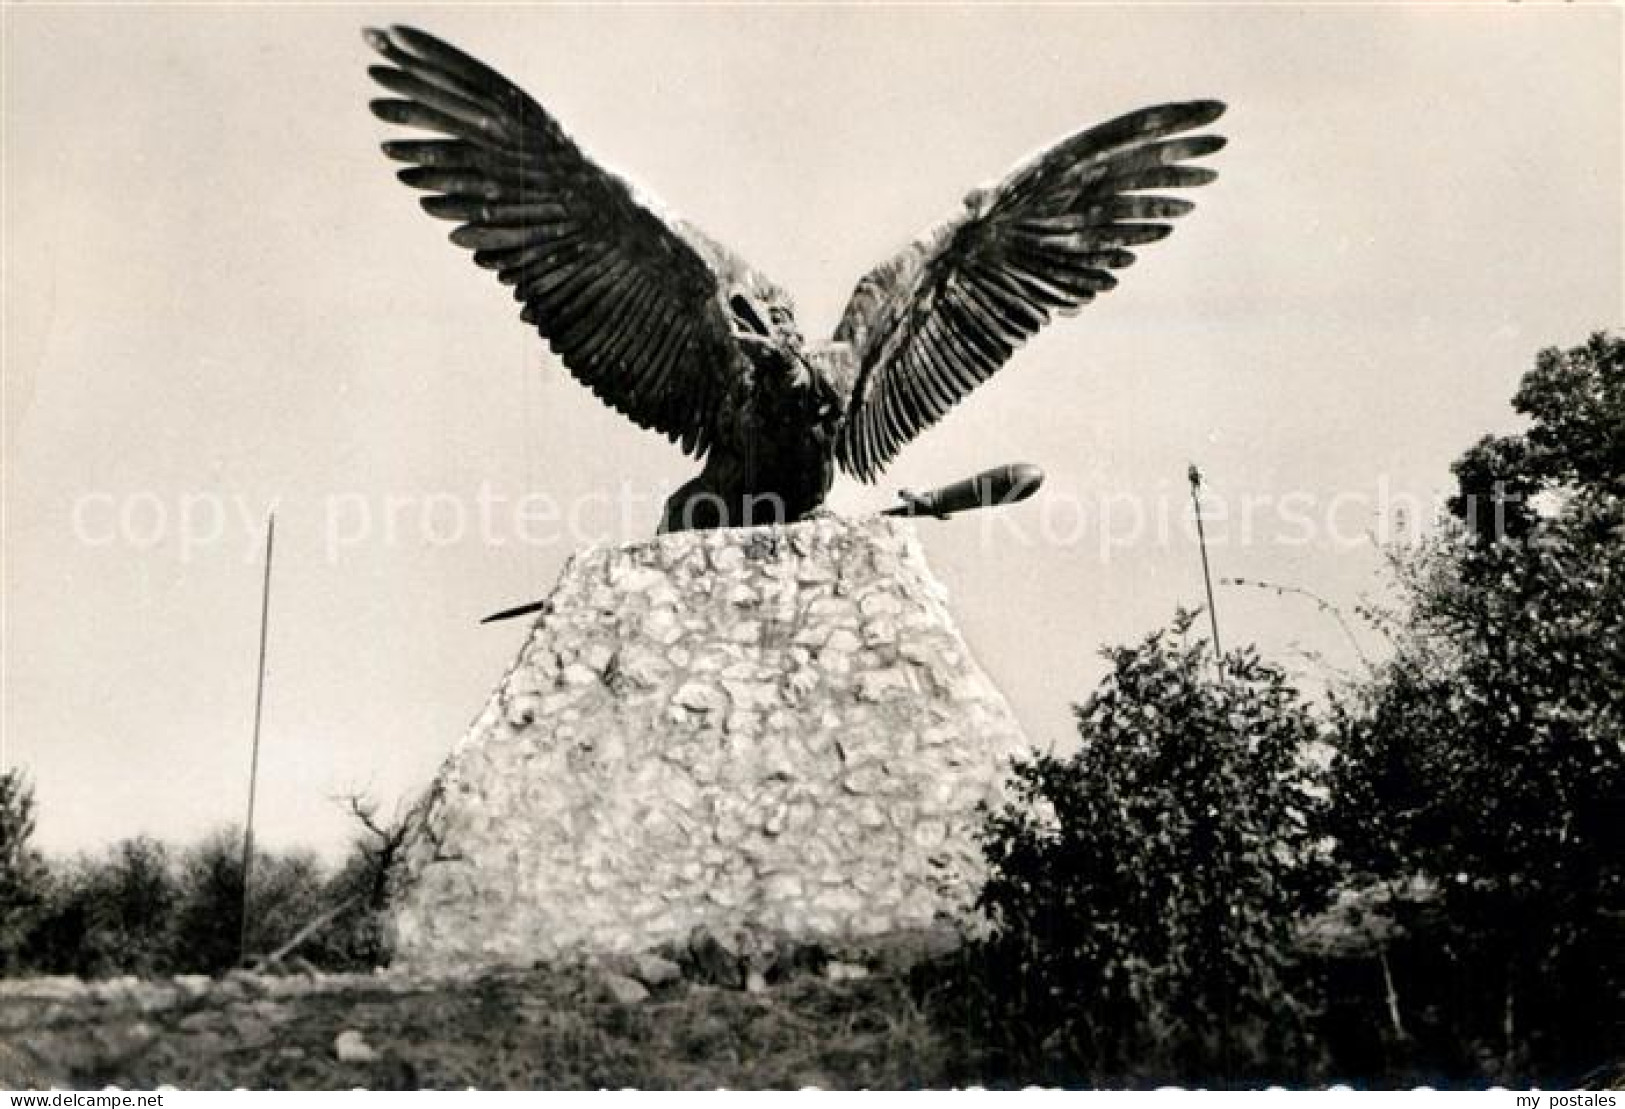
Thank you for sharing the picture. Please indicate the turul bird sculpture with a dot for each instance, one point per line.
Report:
(683, 337)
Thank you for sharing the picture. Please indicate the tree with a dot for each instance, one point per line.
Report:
(286, 894)
(130, 900)
(1575, 443)
(108, 915)
(1487, 759)
(208, 919)
(1142, 893)
(358, 937)
(23, 876)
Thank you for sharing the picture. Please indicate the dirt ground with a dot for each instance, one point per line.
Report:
(577, 1028)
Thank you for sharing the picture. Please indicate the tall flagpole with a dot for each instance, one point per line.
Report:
(254, 763)
(1195, 477)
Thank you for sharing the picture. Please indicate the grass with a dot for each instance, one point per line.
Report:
(550, 1029)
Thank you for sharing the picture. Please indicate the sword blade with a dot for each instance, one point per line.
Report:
(510, 613)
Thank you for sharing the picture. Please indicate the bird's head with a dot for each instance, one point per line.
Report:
(764, 326)
(765, 329)
(769, 317)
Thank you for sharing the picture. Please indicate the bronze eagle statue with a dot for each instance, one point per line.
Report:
(683, 337)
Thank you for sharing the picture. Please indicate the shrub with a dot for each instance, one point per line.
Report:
(130, 900)
(1486, 760)
(1143, 892)
(359, 892)
(286, 893)
(23, 877)
(143, 908)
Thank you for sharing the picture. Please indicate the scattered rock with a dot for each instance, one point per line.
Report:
(241, 984)
(845, 972)
(655, 970)
(248, 1029)
(351, 1046)
(624, 990)
(791, 960)
(898, 952)
(270, 1012)
(52, 988)
(115, 990)
(715, 960)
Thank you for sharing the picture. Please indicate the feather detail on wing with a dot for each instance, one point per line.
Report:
(624, 300)
(941, 317)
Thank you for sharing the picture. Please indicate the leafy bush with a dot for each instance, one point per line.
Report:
(1486, 760)
(107, 915)
(128, 900)
(141, 908)
(1143, 892)
(23, 877)
(287, 892)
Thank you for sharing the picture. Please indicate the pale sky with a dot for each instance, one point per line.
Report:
(217, 298)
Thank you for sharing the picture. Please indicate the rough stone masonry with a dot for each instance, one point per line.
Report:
(771, 733)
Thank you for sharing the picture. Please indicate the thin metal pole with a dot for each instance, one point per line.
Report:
(1195, 477)
(254, 763)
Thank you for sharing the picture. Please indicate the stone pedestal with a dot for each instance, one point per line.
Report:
(768, 732)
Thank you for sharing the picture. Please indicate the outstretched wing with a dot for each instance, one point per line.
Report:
(937, 320)
(624, 300)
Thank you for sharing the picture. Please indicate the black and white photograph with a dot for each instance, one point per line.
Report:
(812, 546)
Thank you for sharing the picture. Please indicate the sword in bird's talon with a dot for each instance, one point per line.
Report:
(914, 504)
(1000, 485)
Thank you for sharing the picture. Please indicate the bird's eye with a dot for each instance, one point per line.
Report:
(746, 315)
